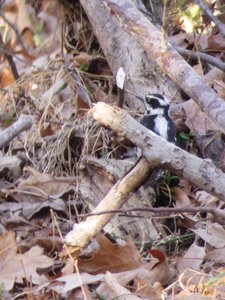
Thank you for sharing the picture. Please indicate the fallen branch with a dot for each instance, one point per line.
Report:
(203, 56)
(170, 62)
(121, 49)
(23, 123)
(200, 172)
(85, 231)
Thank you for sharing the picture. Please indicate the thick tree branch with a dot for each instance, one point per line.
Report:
(171, 62)
(202, 173)
(121, 49)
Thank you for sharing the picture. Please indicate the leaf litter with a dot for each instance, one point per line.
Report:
(57, 95)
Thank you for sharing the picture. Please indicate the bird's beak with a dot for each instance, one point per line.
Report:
(143, 100)
(140, 98)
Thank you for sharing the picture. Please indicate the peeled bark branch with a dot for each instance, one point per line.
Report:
(85, 231)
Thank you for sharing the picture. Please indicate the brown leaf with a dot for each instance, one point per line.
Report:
(196, 120)
(158, 254)
(214, 235)
(117, 290)
(42, 190)
(181, 197)
(6, 78)
(111, 258)
(159, 272)
(16, 267)
(153, 292)
(46, 131)
(216, 42)
(116, 259)
(216, 255)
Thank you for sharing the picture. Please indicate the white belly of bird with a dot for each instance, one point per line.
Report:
(161, 127)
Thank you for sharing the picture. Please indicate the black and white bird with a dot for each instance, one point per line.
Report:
(157, 117)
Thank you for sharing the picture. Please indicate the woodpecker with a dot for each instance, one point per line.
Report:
(157, 118)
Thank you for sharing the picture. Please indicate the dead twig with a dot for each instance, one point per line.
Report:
(23, 123)
(165, 25)
(218, 214)
(203, 56)
(20, 38)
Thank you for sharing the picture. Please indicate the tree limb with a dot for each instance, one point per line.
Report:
(121, 49)
(171, 62)
(203, 56)
(200, 172)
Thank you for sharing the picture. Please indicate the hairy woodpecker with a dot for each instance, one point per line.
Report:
(157, 118)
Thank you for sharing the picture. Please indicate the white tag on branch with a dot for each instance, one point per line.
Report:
(120, 78)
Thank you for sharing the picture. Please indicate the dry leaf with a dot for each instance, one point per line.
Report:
(6, 77)
(214, 235)
(196, 120)
(216, 255)
(153, 292)
(182, 199)
(16, 267)
(156, 272)
(216, 42)
(116, 259)
(192, 259)
(74, 281)
(42, 190)
(111, 258)
(116, 289)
